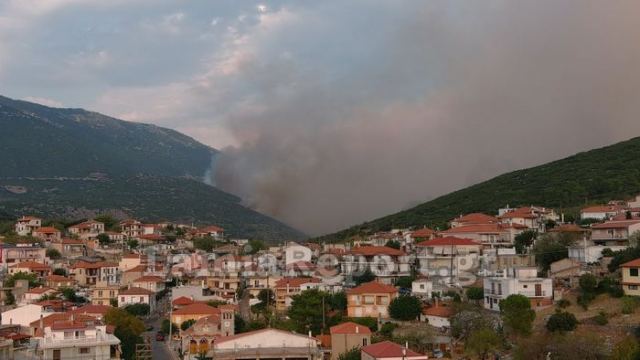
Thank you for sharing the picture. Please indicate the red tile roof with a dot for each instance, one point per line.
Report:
(295, 282)
(615, 224)
(149, 278)
(93, 309)
(182, 301)
(376, 250)
(96, 265)
(373, 287)
(602, 208)
(197, 309)
(449, 240)
(476, 228)
(210, 229)
(422, 233)
(476, 218)
(136, 291)
(632, 263)
(46, 230)
(349, 328)
(440, 311)
(40, 290)
(387, 349)
(31, 265)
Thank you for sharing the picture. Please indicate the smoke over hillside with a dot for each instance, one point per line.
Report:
(449, 96)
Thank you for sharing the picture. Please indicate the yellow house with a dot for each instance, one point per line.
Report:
(631, 277)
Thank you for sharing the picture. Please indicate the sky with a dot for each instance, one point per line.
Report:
(331, 113)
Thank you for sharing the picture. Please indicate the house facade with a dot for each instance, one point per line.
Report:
(370, 299)
(521, 281)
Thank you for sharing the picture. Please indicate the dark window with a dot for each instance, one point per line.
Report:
(633, 271)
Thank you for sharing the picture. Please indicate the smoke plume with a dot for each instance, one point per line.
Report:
(424, 100)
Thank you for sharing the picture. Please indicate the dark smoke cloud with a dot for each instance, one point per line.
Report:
(428, 99)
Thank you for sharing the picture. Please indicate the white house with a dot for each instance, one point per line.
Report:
(422, 288)
(27, 224)
(294, 253)
(601, 212)
(78, 340)
(614, 232)
(23, 315)
(437, 316)
(151, 283)
(591, 253)
(137, 295)
(519, 280)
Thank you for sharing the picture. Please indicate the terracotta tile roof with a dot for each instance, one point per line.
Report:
(67, 325)
(58, 278)
(349, 328)
(149, 278)
(91, 309)
(210, 229)
(440, 311)
(47, 230)
(615, 224)
(301, 265)
(325, 340)
(182, 301)
(31, 265)
(449, 240)
(197, 309)
(476, 218)
(373, 287)
(632, 263)
(72, 242)
(96, 265)
(295, 282)
(134, 256)
(136, 291)
(28, 217)
(376, 250)
(213, 319)
(138, 268)
(84, 225)
(422, 233)
(602, 208)
(476, 228)
(57, 317)
(387, 349)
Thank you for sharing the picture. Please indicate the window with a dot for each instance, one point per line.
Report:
(633, 287)
(633, 272)
(364, 342)
(525, 286)
(141, 299)
(84, 350)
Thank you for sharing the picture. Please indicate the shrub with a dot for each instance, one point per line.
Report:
(601, 318)
(387, 329)
(629, 304)
(405, 308)
(563, 303)
(561, 321)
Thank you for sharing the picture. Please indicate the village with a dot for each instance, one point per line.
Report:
(514, 284)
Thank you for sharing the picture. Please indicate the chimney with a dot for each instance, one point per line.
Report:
(41, 322)
(357, 329)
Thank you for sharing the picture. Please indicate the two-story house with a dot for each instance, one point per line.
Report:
(347, 336)
(614, 232)
(518, 280)
(131, 228)
(78, 340)
(443, 255)
(90, 273)
(286, 288)
(88, 230)
(388, 264)
(489, 235)
(13, 254)
(370, 299)
(31, 267)
(27, 224)
(47, 234)
(631, 277)
(135, 295)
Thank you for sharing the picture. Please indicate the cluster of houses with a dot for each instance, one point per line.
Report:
(210, 289)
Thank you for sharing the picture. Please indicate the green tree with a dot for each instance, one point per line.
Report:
(32, 278)
(627, 349)
(254, 246)
(517, 314)
(405, 308)
(128, 329)
(338, 301)
(205, 243)
(467, 320)
(352, 354)
(306, 310)
(110, 223)
(475, 293)
(239, 325)
(164, 327)
(365, 277)
(561, 321)
(187, 324)
(523, 240)
(113, 302)
(9, 298)
(371, 323)
(60, 272)
(588, 288)
(552, 247)
(133, 244)
(482, 343)
(405, 282)
(138, 309)
(393, 244)
(53, 254)
(104, 239)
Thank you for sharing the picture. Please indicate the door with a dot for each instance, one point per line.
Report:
(56, 354)
(538, 289)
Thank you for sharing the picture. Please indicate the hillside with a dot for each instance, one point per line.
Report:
(38, 141)
(73, 164)
(591, 177)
